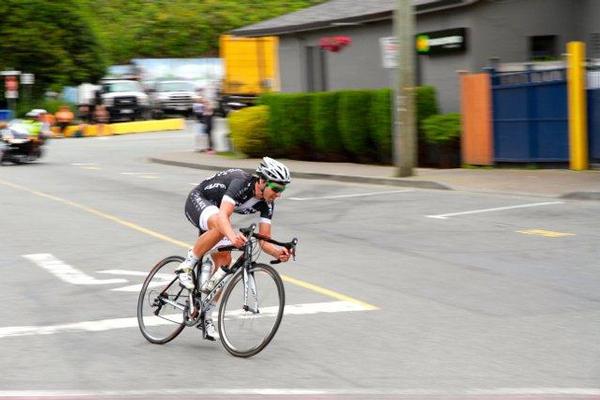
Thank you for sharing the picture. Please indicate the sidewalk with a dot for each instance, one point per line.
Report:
(557, 183)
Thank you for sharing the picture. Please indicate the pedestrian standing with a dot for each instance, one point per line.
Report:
(207, 117)
(199, 137)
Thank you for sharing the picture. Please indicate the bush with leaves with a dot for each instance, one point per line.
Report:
(324, 116)
(381, 123)
(289, 124)
(248, 129)
(442, 128)
(426, 104)
(353, 112)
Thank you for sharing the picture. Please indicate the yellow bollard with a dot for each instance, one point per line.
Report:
(578, 139)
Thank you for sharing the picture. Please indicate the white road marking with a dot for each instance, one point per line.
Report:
(366, 393)
(120, 323)
(342, 196)
(445, 216)
(66, 272)
(82, 164)
(164, 278)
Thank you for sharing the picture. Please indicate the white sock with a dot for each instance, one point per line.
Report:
(191, 258)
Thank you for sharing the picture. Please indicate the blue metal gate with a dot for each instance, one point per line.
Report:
(530, 116)
(593, 101)
(593, 111)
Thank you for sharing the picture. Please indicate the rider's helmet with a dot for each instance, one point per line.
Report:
(274, 171)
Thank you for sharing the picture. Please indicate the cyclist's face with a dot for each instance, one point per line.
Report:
(271, 190)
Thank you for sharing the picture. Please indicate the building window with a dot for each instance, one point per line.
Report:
(543, 48)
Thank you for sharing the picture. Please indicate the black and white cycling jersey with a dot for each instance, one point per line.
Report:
(234, 186)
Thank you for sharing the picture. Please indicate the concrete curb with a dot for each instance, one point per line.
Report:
(313, 175)
(582, 196)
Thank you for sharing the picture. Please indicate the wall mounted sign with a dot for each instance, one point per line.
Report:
(442, 42)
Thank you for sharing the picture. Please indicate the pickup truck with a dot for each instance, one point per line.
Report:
(172, 96)
(125, 99)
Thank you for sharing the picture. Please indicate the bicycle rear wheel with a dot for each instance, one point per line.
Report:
(245, 331)
(161, 302)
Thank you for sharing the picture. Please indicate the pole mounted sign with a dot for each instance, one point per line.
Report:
(442, 42)
(27, 79)
(11, 84)
(389, 51)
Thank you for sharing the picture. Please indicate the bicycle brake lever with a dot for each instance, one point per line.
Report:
(275, 261)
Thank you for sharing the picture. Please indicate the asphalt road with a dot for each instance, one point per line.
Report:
(416, 293)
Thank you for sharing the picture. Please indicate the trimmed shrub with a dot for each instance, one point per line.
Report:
(324, 116)
(381, 123)
(289, 126)
(354, 127)
(442, 128)
(248, 128)
(426, 104)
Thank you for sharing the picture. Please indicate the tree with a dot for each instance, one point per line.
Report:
(175, 28)
(51, 40)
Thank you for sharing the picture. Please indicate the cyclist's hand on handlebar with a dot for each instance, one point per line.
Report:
(284, 254)
(238, 239)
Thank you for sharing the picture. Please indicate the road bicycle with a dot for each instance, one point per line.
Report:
(252, 300)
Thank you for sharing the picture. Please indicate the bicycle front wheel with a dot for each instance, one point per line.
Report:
(161, 303)
(251, 311)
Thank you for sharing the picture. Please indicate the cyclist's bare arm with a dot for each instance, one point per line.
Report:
(224, 224)
(280, 253)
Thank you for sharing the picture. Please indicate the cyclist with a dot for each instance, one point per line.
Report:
(209, 207)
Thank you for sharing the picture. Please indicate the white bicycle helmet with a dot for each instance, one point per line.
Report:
(273, 170)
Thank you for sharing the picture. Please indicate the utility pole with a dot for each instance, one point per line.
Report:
(404, 104)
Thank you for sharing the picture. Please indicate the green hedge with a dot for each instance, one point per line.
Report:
(353, 122)
(340, 125)
(248, 129)
(426, 104)
(289, 125)
(381, 123)
(324, 116)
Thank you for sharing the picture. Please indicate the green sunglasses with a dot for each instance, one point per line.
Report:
(276, 187)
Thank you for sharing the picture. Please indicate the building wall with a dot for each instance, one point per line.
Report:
(441, 70)
(496, 29)
(357, 66)
(503, 29)
(589, 29)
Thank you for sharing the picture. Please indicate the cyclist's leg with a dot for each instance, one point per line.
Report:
(198, 211)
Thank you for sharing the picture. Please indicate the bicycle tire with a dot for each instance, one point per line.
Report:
(149, 300)
(237, 325)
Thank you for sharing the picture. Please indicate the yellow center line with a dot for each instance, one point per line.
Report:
(136, 227)
(545, 233)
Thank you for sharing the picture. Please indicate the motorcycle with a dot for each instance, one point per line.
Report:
(17, 145)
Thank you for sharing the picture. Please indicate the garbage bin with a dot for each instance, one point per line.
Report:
(5, 115)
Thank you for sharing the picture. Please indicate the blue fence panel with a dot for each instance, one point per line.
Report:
(530, 116)
(593, 101)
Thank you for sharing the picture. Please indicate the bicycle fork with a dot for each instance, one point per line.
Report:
(250, 286)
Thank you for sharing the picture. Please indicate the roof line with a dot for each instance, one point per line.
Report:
(313, 25)
(310, 26)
